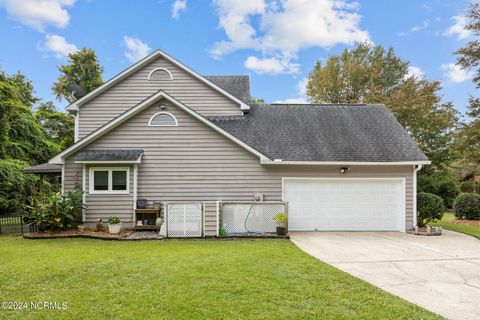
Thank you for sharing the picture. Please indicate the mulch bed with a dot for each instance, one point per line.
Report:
(125, 235)
(473, 223)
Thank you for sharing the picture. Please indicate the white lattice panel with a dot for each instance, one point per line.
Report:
(184, 219)
(254, 217)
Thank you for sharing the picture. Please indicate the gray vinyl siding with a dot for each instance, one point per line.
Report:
(193, 163)
(210, 218)
(100, 206)
(135, 88)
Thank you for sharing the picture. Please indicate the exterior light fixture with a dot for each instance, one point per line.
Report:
(344, 169)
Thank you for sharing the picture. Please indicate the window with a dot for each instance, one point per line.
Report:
(109, 180)
(160, 74)
(163, 119)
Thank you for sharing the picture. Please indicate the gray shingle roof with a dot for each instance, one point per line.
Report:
(44, 168)
(368, 133)
(239, 86)
(108, 155)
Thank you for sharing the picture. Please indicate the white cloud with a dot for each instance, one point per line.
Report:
(301, 90)
(302, 86)
(234, 19)
(39, 13)
(458, 28)
(456, 74)
(59, 46)
(270, 65)
(177, 6)
(414, 72)
(136, 49)
(425, 24)
(282, 28)
(292, 101)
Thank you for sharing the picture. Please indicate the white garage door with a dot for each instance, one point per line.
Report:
(345, 204)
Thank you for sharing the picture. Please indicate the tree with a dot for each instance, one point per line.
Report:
(59, 126)
(469, 55)
(83, 69)
(362, 75)
(371, 74)
(256, 101)
(469, 58)
(468, 142)
(21, 136)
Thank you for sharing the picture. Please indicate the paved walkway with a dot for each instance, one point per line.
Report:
(441, 274)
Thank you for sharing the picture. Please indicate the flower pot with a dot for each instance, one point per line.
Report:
(114, 228)
(81, 228)
(281, 231)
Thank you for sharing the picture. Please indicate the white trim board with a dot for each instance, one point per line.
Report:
(59, 159)
(343, 163)
(139, 160)
(140, 64)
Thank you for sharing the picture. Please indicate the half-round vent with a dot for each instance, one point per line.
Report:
(160, 74)
(163, 119)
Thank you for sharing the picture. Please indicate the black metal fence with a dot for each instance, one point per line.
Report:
(13, 225)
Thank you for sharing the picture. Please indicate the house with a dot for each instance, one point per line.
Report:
(162, 132)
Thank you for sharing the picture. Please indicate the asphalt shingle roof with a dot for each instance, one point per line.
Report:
(362, 133)
(108, 155)
(44, 168)
(238, 86)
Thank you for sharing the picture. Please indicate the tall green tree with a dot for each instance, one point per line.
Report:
(22, 137)
(58, 125)
(83, 69)
(469, 135)
(372, 74)
(469, 55)
(469, 58)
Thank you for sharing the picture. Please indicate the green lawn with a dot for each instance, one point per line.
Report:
(191, 279)
(446, 224)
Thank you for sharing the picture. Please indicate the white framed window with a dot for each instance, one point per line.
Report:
(163, 119)
(160, 74)
(109, 180)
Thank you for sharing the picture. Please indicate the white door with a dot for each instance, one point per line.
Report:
(345, 204)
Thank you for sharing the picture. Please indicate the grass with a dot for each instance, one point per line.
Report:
(446, 223)
(190, 279)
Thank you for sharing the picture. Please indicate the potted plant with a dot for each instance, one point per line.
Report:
(281, 220)
(114, 225)
(81, 228)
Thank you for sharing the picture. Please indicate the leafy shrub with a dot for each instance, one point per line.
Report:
(467, 206)
(15, 186)
(113, 220)
(55, 212)
(281, 219)
(430, 207)
(443, 185)
(470, 186)
(223, 231)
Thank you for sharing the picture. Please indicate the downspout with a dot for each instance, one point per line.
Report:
(416, 169)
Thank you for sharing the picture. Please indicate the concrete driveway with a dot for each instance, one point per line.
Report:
(441, 274)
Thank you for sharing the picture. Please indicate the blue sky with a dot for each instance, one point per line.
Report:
(275, 42)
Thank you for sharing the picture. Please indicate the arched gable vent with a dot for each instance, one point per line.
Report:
(160, 74)
(163, 119)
